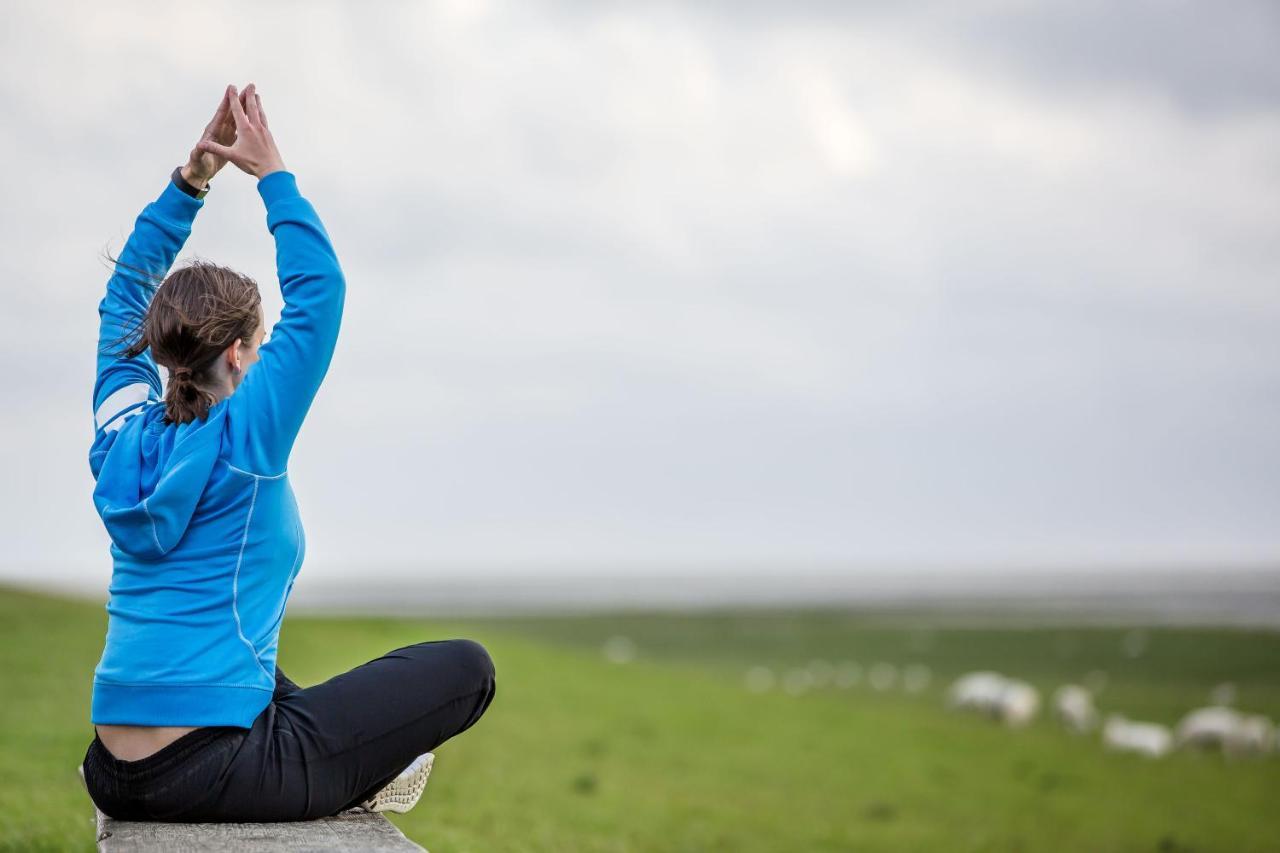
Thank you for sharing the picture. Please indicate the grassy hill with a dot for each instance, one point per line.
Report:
(670, 752)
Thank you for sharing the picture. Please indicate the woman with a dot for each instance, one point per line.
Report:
(193, 721)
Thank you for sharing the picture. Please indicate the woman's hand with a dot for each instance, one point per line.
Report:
(202, 165)
(253, 149)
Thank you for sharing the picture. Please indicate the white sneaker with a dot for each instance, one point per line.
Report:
(403, 792)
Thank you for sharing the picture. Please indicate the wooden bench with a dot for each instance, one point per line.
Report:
(353, 830)
(356, 831)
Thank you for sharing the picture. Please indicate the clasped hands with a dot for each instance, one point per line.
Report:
(237, 134)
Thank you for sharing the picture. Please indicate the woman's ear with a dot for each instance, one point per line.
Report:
(233, 355)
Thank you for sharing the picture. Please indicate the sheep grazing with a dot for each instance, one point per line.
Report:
(1150, 739)
(797, 681)
(1219, 727)
(916, 678)
(1253, 735)
(1207, 728)
(1018, 704)
(1015, 703)
(1073, 706)
(977, 691)
(882, 676)
(822, 672)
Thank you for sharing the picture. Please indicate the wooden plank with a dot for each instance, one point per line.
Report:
(354, 831)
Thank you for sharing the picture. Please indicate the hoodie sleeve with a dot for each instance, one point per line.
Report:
(159, 233)
(276, 393)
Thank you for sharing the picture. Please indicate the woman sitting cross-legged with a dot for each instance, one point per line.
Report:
(193, 720)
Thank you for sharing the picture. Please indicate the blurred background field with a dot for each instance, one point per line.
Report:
(784, 322)
(644, 731)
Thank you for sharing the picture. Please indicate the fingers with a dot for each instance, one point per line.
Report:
(244, 138)
(237, 111)
(210, 147)
(224, 107)
(251, 103)
(228, 123)
(219, 120)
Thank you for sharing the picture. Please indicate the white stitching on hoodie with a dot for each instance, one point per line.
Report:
(257, 476)
(155, 536)
(297, 561)
(119, 401)
(235, 580)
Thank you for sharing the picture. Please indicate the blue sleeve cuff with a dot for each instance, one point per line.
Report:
(276, 186)
(176, 206)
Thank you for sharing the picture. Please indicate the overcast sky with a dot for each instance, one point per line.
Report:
(695, 286)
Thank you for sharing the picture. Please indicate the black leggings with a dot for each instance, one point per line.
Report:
(313, 751)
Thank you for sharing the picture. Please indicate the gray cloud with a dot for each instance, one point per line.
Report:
(697, 285)
(1209, 59)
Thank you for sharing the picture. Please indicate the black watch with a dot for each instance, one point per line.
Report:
(180, 183)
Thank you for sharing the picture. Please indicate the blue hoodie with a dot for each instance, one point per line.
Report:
(205, 534)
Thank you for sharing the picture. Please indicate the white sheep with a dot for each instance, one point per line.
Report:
(1220, 727)
(1018, 704)
(797, 681)
(1207, 727)
(1013, 702)
(882, 676)
(1073, 706)
(822, 672)
(976, 691)
(1253, 735)
(1150, 739)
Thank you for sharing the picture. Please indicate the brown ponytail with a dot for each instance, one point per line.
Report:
(184, 400)
(195, 314)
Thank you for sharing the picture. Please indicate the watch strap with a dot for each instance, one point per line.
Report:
(181, 183)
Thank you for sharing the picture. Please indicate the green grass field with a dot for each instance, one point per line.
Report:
(670, 752)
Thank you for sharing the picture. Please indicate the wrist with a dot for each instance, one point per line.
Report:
(194, 178)
(192, 186)
(274, 166)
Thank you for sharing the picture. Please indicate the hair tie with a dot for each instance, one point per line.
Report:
(182, 373)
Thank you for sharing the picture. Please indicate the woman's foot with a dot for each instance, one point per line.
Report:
(403, 792)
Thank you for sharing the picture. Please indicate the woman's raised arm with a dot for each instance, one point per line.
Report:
(277, 392)
(122, 383)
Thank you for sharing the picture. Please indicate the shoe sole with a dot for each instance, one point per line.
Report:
(403, 792)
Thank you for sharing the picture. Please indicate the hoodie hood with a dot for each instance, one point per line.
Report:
(150, 477)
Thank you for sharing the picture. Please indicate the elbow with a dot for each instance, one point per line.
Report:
(338, 287)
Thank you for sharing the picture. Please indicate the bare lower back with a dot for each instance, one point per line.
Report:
(132, 743)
